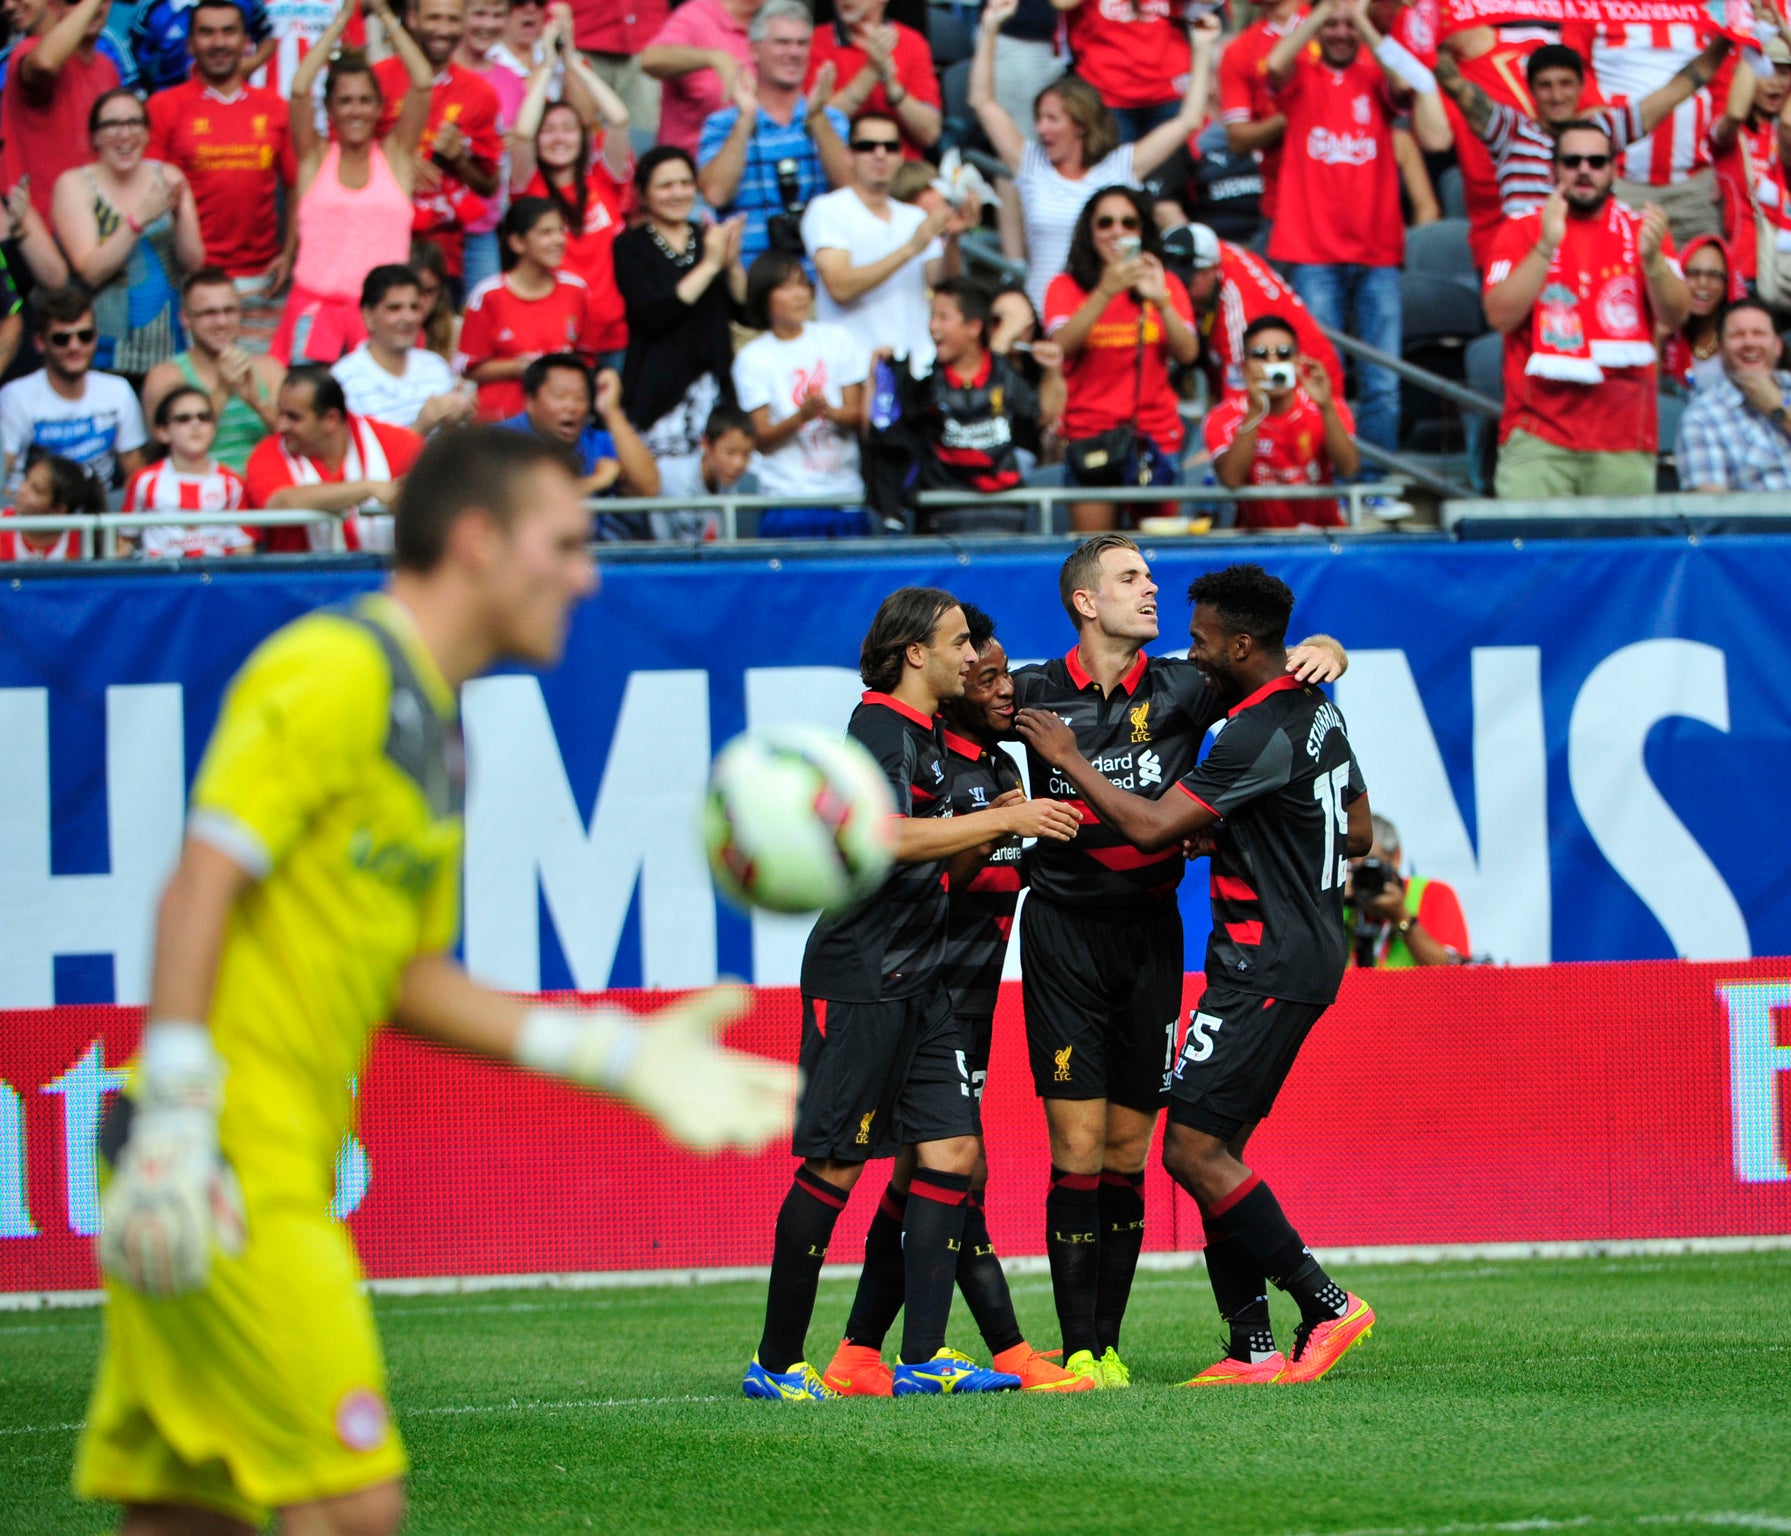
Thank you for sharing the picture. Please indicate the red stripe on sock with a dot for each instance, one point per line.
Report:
(889, 1206)
(1114, 1176)
(1220, 1207)
(1075, 1180)
(822, 1191)
(924, 1190)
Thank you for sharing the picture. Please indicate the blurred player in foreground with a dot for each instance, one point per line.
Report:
(316, 894)
(1280, 800)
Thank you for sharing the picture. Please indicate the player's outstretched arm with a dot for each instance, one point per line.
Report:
(670, 1066)
(924, 839)
(1318, 659)
(1359, 837)
(1147, 825)
(172, 1200)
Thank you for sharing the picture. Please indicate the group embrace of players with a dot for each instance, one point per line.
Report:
(899, 995)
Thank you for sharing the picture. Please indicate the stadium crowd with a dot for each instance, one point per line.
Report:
(253, 259)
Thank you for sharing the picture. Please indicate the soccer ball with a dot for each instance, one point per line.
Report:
(798, 819)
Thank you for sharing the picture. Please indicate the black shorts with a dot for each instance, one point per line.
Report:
(1239, 1050)
(1103, 994)
(881, 1076)
(978, 1032)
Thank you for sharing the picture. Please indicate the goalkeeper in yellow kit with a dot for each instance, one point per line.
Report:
(317, 894)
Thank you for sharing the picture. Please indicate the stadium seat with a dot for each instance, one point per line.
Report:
(1672, 407)
(1452, 194)
(1438, 311)
(961, 130)
(949, 36)
(1484, 364)
(1441, 250)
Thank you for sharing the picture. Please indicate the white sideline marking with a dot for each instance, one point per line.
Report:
(1726, 1517)
(1024, 1264)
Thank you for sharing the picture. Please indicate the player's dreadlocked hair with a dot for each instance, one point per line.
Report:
(1248, 601)
(982, 627)
(1082, 570)
(908, 616)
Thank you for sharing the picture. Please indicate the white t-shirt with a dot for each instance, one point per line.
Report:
(820, 460)
(1051, 203)
(894, 314)
(371, 391)
(105, 422)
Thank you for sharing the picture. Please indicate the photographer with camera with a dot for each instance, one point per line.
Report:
(1287, 428)
(1397, 924)
(774, 149)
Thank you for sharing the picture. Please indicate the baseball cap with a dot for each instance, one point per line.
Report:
(1194, 244)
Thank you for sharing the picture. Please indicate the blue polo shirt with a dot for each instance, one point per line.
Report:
(757, 196)
(593, 445)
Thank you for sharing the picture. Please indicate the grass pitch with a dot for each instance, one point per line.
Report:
(1611, 1395)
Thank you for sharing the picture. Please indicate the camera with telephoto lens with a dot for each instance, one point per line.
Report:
(1368, 879)
(783, 231)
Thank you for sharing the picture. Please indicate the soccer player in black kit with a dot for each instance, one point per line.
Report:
(984, 888)
(1282, 801)
(1101, 935)
(882, 1056)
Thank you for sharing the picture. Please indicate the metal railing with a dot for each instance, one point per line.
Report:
(108, 525)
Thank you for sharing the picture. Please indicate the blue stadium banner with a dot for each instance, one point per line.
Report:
(1587, 740)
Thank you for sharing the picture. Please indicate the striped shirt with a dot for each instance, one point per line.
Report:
(1523, 152)
(165, 489)
(759, 196)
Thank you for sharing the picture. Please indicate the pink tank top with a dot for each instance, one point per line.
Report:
(345, 234)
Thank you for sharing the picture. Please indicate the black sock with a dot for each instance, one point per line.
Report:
(804, 1225)
(1252, 1215)
(983, 1284)
(880, 1286)
(1241, 1290)
(1073, 1240)
(1122, 1235)
(932, 1237)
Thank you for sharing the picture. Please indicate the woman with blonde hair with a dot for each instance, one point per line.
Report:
(1077, 148)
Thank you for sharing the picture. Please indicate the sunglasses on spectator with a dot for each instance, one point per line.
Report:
(1127, 221)
(1282, 353)
(871, 146)
(1591, 162)
(78, 338)
(182, 418)
(121, 124)
(1705, 274)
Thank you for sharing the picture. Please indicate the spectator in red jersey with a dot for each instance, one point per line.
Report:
(129, 228)
(52, 487)
(1632, 61)
(1119, 318)
(553, 156)
(187, 479)
(229, 139)
(52, 81)
(534, 309)
(1576, 290)
(1340, 230)
(353, 190)
(460, 148)
(325, 460)
(1398, 924)
(1076, 149)
(695, 57)
(242, 387)
(1691, 357)
(1230, 287)
(1254, 121)
(882, 67)
(1287, 428)
(1136, 57)
(484, 33)
(612, 34)
(1746, 150)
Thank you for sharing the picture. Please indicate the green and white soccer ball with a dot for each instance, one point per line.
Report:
(798, 820)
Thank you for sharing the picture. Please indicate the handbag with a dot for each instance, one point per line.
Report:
(1111, 458)
(1772, 267)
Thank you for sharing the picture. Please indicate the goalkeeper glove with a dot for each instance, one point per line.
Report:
(671, 1066)
(172, 1198)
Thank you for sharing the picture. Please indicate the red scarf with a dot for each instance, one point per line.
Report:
(1592, 312)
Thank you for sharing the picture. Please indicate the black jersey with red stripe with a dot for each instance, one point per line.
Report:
(968, 425)
(1281, 777)
(981, 915)
(892, 945)
(1143, 736)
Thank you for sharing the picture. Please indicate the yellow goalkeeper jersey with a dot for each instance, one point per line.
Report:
(336, 776)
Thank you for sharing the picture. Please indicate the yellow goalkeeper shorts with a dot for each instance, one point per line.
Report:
(265, 1389)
